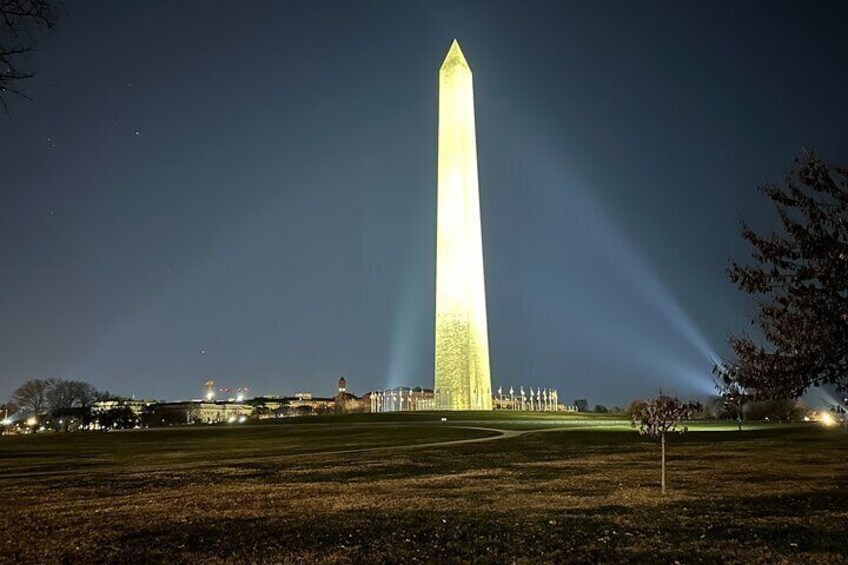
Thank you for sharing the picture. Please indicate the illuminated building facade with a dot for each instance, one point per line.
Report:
(197, 412)
(463, 378)
(534, 400)
(403, 399)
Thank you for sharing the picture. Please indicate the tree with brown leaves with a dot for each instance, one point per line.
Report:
(660, 416)
(800, 277)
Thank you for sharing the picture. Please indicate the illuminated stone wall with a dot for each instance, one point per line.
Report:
(462, 342)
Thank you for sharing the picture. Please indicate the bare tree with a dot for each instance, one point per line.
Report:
(19, 19)
(66, 395)
(660, 416)
(85, 394)
(59, 395)
(31, 396)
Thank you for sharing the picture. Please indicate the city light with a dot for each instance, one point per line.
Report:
(31, 421)
(827, 419)
(6, 422)
(210, 395)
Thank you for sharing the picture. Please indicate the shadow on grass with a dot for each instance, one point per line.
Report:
(756, 529)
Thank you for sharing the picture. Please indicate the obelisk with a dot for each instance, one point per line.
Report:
(463, 381)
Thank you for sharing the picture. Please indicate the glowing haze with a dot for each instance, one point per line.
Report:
(198, 192)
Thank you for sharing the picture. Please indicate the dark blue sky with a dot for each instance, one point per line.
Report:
(248, 193)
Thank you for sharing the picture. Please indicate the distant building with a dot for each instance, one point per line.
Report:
(532, 400)
(346, 403)
(196, 412)
(136, 406)
(405, 399)
(304, 404)
(267, 403)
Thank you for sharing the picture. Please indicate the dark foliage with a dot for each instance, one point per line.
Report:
(119, 417)
(633, 407)
(19, 19)
(736, 399)
(65, 395)
(800, 278)
(163, 415)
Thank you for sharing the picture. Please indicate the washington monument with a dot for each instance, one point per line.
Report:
(463, 380)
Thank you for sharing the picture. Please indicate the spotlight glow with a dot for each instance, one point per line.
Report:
(827, 419)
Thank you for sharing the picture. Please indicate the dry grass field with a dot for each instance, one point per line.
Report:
(332, 490)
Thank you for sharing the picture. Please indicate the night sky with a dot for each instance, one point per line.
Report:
(246, 192)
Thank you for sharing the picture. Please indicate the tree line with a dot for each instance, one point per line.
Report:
(54, 397)
(719, 407)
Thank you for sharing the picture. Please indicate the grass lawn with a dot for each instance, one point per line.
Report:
(551, 489)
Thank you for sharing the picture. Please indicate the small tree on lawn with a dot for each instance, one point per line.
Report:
(660, 416)
(735, 398)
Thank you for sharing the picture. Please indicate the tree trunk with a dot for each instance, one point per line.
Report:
(662, 436)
